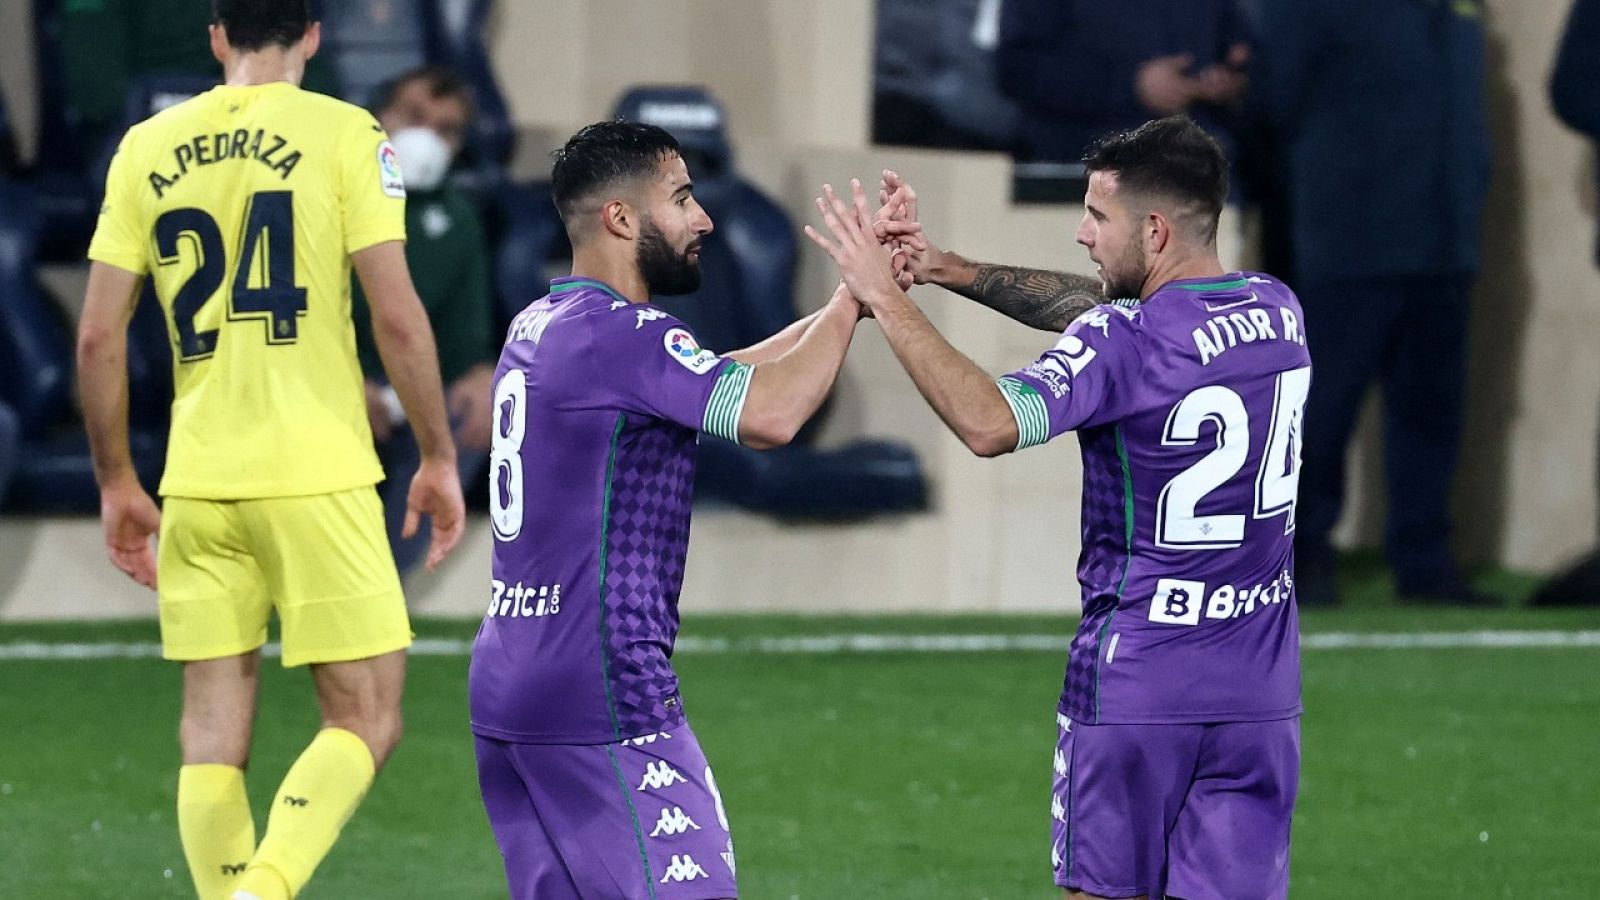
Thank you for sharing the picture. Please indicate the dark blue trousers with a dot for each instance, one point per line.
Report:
(1409, 334)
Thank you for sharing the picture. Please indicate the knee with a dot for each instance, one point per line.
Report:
(379, 730)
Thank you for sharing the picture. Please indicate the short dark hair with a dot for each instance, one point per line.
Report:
(441, 81)
(1170, 159)
(604, 154)
(256, 24)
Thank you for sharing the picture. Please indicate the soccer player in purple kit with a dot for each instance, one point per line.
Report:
(594, 783)
(1178, 750)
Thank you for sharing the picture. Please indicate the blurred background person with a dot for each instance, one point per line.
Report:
(1382, 105)
(1575, 94)
(427, 112)
(934, 80)
(1080, 69)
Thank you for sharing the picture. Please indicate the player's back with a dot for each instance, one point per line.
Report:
(598, 404)
(1189, 500)
(243, 205)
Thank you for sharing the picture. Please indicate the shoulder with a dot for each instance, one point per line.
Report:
(1120, 321)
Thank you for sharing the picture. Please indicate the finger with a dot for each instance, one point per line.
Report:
(413, 519)
(847, 233)
(445, 538)
(833, 215)
(897, 227)
(859, 197)
(827, 245)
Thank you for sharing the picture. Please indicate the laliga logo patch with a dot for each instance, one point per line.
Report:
(389, 178)
(683, 348)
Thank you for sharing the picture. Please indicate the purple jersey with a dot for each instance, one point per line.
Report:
(1188, 409)
(598, 406)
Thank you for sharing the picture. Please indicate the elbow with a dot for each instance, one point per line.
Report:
(989, 441)
(767, 432)
(93, 342)
(988, 446)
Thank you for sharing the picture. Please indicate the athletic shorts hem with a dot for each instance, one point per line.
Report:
(214, 651)
(364, 651)
(1100, 890)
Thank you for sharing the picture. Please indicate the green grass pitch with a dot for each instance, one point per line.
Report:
(1427, 773)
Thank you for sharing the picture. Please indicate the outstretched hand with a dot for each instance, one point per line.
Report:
(865, 264)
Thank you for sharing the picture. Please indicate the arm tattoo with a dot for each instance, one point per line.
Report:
(1041, 299)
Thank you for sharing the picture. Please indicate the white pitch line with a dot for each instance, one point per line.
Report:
(891, 643)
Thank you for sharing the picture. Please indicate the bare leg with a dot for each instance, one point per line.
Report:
(363, 697)
(219, 709)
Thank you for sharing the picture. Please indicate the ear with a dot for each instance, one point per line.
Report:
(619, 219)
(312, 39)
(1157, 232)
(219, 43)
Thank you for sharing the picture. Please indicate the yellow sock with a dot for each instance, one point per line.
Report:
(321, 791)
(214, 824)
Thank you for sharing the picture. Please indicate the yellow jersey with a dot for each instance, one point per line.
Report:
(244, 204)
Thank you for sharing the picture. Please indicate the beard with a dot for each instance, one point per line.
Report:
(1127, 282)
(666, 272)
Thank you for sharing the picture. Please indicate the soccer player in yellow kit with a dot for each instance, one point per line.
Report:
(248, 205)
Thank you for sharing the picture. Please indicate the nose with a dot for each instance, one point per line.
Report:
(702, 223)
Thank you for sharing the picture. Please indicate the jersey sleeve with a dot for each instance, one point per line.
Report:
(372, 196)
(650, 364)
(1087, 379)
(121, 237)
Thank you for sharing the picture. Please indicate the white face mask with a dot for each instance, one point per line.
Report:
(424, 157)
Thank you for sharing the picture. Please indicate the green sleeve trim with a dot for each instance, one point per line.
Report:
(1033, 419)
(727, 401)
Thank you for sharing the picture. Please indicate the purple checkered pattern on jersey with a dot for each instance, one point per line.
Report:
(647, 540)
(1100, 567)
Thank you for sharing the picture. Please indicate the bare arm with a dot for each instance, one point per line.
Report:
(787, 390)
(1038, 298)
(405, 341)
(127, 513)
(964, 396)
(960, 392)
(777, 345)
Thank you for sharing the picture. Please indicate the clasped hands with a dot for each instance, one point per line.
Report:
(880, 254)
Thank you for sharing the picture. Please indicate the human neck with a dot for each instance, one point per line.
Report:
(1197, 264)
(612, 269)
(265, 67)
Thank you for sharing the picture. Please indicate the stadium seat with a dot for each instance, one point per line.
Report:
(747, 294)
(53, 470)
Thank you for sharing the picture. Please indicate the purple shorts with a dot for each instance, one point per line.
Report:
(1200, 812)
(636, 820)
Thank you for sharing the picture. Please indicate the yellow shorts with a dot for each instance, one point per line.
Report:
(322, 561)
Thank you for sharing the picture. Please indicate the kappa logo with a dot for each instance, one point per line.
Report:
(1061, 764)
(683, 868)
(1055, 857)
(673, 821)
(647, 739)
(648, 315)
(1096, 318)
(1057, 811)
(233, 868)
(296, 801)
(658, 775)
(683, 348)
(727, 857)
(1064, 723)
